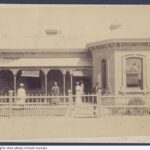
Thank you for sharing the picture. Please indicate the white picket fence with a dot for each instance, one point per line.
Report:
(132, 105)
(89, 106)
(36, 105)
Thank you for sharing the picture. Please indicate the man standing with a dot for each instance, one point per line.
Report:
(96, 88)
(21, 94)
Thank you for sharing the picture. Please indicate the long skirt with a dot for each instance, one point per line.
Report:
(78, 99)
(20, 100)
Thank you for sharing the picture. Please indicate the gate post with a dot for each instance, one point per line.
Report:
(10, 102)
(70, 103)
(99, 113)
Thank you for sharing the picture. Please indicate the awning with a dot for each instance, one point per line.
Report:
(82, 73)
(48, 62)
(30, 73)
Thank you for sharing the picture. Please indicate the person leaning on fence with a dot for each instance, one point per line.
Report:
(21, 93)
(55, 92)
(96, 88)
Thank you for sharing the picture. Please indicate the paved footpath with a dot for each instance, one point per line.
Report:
(46, 128)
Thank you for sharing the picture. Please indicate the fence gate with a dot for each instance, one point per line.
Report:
(85, 106)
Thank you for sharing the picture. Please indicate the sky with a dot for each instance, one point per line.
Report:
(24, 26)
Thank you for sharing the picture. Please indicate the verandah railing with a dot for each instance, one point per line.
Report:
(33, 106)
(89, 105)
(43, 105)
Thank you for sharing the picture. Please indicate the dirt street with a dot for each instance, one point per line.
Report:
(63, 127)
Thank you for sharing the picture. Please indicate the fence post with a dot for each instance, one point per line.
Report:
(99, 102)
(10, 102)
(70, 103)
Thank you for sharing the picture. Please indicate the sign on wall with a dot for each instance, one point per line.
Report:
(30, 73)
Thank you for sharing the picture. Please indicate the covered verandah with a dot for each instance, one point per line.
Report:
(38, 75)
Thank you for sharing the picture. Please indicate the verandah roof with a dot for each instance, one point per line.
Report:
(48, 62)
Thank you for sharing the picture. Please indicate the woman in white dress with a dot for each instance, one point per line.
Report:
(78, 94)
(21, 94)
(82, 87)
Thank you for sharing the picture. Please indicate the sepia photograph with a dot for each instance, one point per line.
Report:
(75, 73)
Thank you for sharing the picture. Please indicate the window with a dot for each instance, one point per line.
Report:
(104, 74)
(33, 83)
(134, 72)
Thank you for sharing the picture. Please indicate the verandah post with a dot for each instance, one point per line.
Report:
(70, 103)
(99, 106)
(10, 102)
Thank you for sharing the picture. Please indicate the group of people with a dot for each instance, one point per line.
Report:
(21, 93)
(79, 90)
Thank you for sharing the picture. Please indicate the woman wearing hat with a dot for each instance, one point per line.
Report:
(21, 94)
